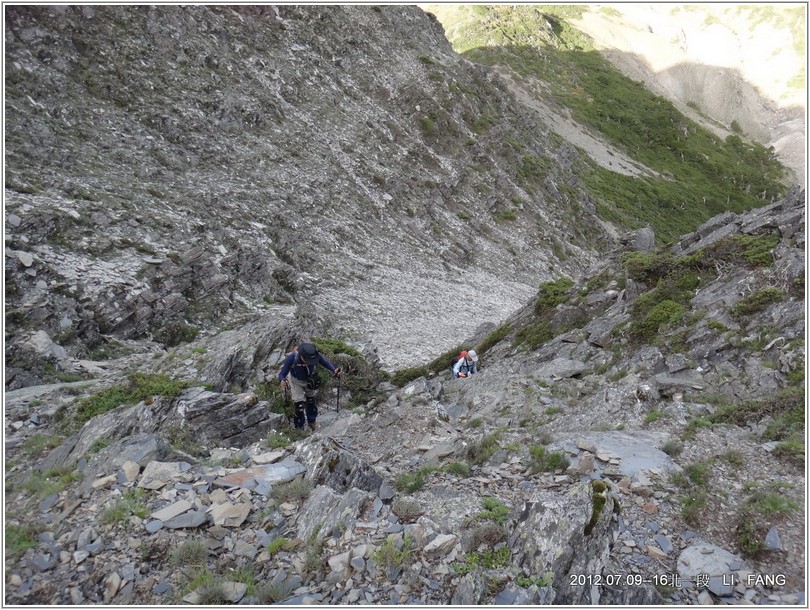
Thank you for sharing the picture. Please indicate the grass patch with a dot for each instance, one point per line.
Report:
(411, 482)
(757, 515)
(132, 503)
(488, 559)
(786, 409)
(478, 452)
(552, 294)
(139, 387)
(20, 538)
(296, 490)
(36, 445)
(458, 468)
(493, 338)
(543, 460)
(494, 510)
(392, 555)
(41, 485)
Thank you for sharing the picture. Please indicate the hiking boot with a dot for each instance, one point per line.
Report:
(313, 425)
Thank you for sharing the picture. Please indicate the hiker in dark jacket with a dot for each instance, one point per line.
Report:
(301, 367)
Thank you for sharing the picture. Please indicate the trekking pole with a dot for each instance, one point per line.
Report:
(337, 408)
(287, 402)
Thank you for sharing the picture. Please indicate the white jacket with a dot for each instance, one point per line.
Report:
(464, 366)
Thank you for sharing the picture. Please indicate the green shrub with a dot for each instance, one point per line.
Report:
(478, 452)
(296, 490)
(488, 559)
(543, 460)
(392, 557)
(494, 510)
(175, 333)
(458, 468)
(664, 313)
(279, 544)
(653, 416)
(410, 482)
(748, 250)
(276, 592)
(757, 301)
(132, 503)
(190, 553)
(786, 409)
(647, 267)
(55, 480)
(407, 510)
(672, 447)
(493, 338)
(535, 334)
(35, 445)
(139, 386)
(277, 440)
(552, 294)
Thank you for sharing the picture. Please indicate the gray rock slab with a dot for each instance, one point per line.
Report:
(705, 558)
(664, 543)
(187, 520)
(268, 474)
(561, 367)
(171, 511)
(772, 540)
(637, 452)
(158, 474)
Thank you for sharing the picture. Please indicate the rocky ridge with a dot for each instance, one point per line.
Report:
(383, 511)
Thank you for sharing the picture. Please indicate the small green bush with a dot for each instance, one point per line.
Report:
(274, 593)
(410, 482)
(458, 468)
(647, 267)
(543, 460)
(493, 338)
(132, 503)
(664, 313)
(489, 559)
(757, 301)
(478, 452)
(392, 557)
(535, 334)
(139, 386)
(494, 510)
(296, 490)
(407, 510)
(552, 294)
(279, 544)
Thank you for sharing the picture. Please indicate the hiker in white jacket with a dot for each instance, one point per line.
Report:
(466, 364)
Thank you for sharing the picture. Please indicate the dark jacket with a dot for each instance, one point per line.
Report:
(298, 368)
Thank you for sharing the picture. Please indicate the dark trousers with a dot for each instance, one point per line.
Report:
(308, 409)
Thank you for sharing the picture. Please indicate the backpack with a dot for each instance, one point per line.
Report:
(455, 359)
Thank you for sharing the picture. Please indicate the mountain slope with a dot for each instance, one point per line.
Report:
(282, 157)
(192, 190)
